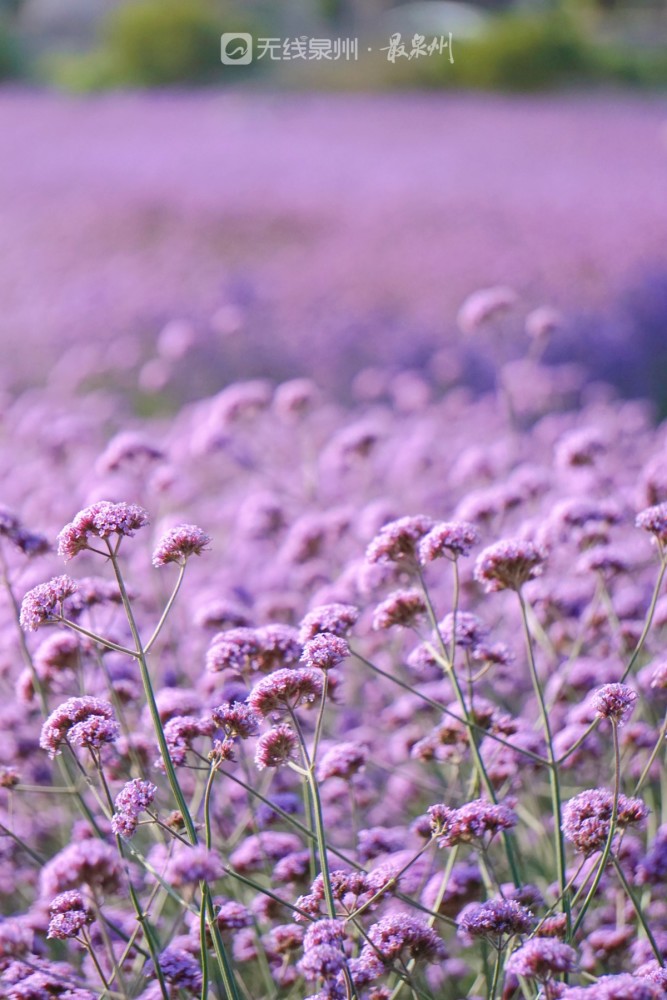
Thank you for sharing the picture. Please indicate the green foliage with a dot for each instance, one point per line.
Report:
(520, 53)
(152, 43)
(11, 62)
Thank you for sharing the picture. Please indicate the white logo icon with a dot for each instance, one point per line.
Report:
(236, 48)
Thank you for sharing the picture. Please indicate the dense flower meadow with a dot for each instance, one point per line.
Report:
(309, 701)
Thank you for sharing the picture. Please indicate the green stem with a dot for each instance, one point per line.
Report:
(638, 910)
(554, 780)
(610, 836)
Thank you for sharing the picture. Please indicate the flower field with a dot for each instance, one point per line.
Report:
(310, 693)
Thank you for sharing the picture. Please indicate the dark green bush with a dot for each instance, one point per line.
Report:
(515, 53)
(152, 43)
(11, 63)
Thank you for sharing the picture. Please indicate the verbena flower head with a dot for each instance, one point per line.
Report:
(100, 520)
(397, 541)
(507, 565)
(541, 958)
(284, 690)
(276, 747)
(337, 619)
(232, 650)
(448, 539)
(325, 651)
(402, 934)
(84, 721)
(133, 799)
(478, 820)
(343, 760)
(494, 920)
(179, 543)
(403, 607)
(69, 914)
(44, 603)
(587, 817)
(236, 719)
(614, 702)
(191, 864)
(654, 521)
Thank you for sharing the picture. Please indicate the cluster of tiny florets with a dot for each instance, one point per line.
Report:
(100, 520)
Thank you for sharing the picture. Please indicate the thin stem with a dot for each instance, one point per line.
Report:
(477, 757)
(496, 974)
(167, 609)
(638, 910)
(554, 780)
(610, 836)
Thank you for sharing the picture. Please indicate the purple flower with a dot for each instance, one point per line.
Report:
(100, 520)
(494, 920)
(654, 520)
(507, 565)
(134, 798)
(403, 607)
(342, 761)
(337, 619)
(236, 719)
(477, 820)
(284, 690)
(179, 543)
(232, 650)
(321, 962)
(540, 958)
(81, 720)
(587, 817)
(450, 539)
(614, 702)
(44, 603)
(89, 861)
(192, 864)
(276, 747)
(403, 934)
(397, 541)
(69, 914)
(325, 651)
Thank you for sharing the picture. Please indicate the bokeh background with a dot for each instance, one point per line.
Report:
(170, 224)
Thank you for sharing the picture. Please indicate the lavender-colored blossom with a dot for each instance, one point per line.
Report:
(88, 861)
(284, 690)
(397, 541)
(403, 607)
(495, 919)
(587, 817)
(654, 521)
(404, 934)
(343, 760)
(541, 958)
(325, 651)
(179, 544)
(79, 719)
(477, 820)
(614, 702)
(507, 565)
(192, 864)
(232, 650)
(448, 539)
(236, 719)
(276, 747)
(133, 799)
(336, 619)
(100, 520)
(69, 914)
(44, 603)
